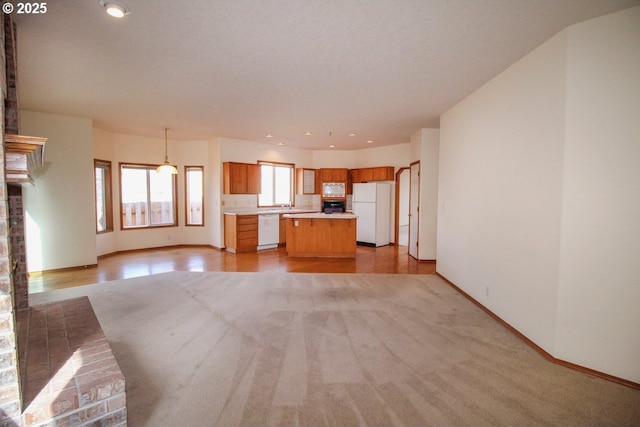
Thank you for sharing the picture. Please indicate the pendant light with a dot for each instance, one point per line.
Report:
(166, 168)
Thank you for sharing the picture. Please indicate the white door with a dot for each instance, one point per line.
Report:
(414, 201)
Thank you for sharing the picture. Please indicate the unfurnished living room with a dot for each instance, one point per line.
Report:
(320, 213)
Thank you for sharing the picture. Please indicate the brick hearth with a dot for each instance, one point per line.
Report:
(70, 376)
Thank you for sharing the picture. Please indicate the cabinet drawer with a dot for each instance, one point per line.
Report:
(247, 227)
(248, 235)
(247, 219)
(247, 223)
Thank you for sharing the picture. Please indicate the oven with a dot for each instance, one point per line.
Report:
(333, 206)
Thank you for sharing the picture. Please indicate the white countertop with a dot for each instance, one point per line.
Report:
(269, 211)
(321, 215)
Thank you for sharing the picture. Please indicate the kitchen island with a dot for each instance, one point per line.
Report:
(245, 229)
(321, 235)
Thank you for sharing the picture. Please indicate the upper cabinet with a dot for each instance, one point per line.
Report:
(380, 173)
(306, 181)
(241, 178)
(383, 173)
(334, 175)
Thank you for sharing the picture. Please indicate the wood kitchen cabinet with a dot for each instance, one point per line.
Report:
(306, 181)
(321, 236)
(383, 173)
(283, 230)
(241, 233)
(241, 178)
(333, 175)
(379, 173)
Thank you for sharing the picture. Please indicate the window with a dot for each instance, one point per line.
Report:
(148, 199)
(194, 183)
(277, 184)
(104, 206)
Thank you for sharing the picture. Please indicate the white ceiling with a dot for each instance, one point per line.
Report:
(381, 69)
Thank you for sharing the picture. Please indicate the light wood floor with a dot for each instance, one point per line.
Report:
(386, 259)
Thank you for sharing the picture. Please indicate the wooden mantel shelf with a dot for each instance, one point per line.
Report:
(23, 154)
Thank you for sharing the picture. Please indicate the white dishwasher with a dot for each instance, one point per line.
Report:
(268, 231)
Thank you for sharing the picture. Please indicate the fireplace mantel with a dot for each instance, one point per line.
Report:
(23, 154)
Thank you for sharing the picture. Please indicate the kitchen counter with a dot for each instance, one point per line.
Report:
(320, 215)
(270, 211)
(251, 229)
(321, 235)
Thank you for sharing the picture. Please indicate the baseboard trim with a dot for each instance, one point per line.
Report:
(539, 349)
(60, 270)
(99, 257)
(128, 251)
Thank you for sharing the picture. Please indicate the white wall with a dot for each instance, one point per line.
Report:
(599, 285)
(59, 208)
(391, 155)
(538, 196)
(429, 170)
(425, 147)
(213, 191)
(501, 154)
(333, 159)
(107, 243)
(137, 149)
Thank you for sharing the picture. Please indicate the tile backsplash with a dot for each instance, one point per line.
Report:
(250, 201)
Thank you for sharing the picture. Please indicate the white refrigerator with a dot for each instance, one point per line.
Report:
(371, 203)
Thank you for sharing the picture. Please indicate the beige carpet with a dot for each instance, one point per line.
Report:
(259, 349)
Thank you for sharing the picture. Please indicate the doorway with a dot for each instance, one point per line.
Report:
(414, 202)
(402, 207)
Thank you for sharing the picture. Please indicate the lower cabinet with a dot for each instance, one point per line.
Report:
(321, 237)
(241, 233)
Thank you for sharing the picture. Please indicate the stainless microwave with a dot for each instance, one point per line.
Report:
(333, 189)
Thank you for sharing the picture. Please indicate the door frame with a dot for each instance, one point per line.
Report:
(417, 231)
(397, 205)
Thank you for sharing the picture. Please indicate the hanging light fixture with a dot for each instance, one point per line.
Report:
(166, 168)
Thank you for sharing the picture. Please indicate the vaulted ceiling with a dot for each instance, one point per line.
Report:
(379, 69)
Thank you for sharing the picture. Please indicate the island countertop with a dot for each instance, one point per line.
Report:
(270, 211)
(320, 215)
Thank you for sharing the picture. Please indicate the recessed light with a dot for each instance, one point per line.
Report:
(369, 142)
(115, 8)
(307, 134)
(332, 146)
(352, 134)
(269, 136)
(280, 143)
